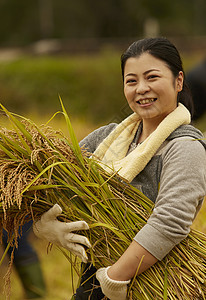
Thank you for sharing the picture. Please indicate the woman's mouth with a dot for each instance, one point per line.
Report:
(146, 101)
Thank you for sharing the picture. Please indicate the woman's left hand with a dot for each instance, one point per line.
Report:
(113, 289)
(114, 279)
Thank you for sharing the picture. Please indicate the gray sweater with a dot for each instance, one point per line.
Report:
(174, 179)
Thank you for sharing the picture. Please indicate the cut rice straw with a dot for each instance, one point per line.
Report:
(41, 167)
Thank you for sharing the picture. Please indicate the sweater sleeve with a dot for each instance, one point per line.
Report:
(181, 192)
(92, 141)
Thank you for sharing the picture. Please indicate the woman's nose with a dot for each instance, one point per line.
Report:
(142, 87)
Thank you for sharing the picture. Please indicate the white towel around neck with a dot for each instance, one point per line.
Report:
(112, 151)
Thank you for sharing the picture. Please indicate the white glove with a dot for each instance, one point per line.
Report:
(60, 233)
(113, 289)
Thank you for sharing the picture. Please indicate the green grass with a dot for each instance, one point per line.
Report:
(90, 86)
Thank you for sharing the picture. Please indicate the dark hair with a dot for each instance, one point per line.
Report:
(164, 50)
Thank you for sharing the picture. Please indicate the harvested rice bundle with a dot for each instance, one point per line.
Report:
(40, 167)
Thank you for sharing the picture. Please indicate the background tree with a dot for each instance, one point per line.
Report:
(23, 21)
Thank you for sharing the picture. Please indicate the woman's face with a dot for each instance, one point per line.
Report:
(150, 87)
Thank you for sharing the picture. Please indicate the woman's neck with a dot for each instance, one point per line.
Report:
(148, 126)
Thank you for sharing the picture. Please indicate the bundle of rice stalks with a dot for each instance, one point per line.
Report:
(40, 167)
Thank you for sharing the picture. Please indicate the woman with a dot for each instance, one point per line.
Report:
(159, 153)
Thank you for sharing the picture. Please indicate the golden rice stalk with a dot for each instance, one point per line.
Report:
(40, 167)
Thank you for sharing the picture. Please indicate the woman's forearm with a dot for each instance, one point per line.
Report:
(134, 258)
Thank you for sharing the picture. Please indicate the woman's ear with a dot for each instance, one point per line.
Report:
(179, 81)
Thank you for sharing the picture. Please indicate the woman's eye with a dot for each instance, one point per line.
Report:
(152, 76)
(130, 81)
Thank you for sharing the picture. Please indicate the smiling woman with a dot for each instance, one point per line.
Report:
(149, 88)
(169, 165)
(152, 84)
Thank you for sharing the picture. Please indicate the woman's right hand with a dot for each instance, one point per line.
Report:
(61, 233)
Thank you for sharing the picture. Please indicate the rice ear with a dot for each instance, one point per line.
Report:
(75, 144)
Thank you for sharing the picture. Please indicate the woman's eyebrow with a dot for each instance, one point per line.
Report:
(148, 71)
(130, 74)
(145, 73)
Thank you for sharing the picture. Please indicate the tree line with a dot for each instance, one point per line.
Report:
(24, 22)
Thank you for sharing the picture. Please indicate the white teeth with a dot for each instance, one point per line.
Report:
(145, 101)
